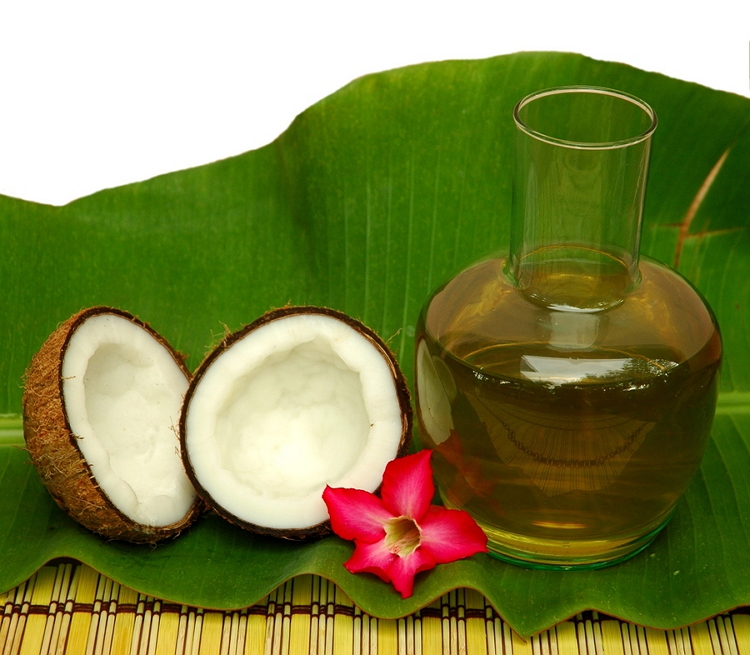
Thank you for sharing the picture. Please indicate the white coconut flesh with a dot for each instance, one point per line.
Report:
(123, 393)
(296, 404)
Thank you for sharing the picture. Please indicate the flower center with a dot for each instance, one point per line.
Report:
(402, 536)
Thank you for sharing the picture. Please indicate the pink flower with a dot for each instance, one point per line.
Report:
(400, 534)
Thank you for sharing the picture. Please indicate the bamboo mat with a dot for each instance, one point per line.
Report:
(69, 609)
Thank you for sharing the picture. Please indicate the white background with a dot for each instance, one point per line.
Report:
(101, 93)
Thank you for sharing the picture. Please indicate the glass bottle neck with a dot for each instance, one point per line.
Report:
(580, 177)
(574, 277)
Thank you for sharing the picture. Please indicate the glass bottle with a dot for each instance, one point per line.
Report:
(568, 388)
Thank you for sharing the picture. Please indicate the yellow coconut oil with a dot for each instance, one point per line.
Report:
(569, 436)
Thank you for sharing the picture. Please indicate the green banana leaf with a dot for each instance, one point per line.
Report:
(371, 198)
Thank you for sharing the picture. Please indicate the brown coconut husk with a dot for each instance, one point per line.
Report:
(53, 446)
(402, 391)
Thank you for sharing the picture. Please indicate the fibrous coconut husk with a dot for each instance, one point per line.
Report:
(53, 446)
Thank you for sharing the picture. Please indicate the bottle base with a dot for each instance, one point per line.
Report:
(558, 555)
(561, 554)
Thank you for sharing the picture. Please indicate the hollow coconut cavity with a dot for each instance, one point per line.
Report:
(101, 408)
(302, 398)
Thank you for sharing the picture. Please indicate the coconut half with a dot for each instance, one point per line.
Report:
(302, 398)
(101, 407)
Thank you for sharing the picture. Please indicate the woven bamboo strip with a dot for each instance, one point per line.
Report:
(240, 625)
(83, 590)
(40, 588)
(567, 643)
(315, 615)
(153, 628)
(65, 586)
(415, 632)
(554, 644)
(210, 635)
(107, 619)
(300, 620)
(277, 642)
(476, 631)
(7, 600)
(598, 638)
(124, 628)
(657, 642)
(22, 616)
(61, 606)
(255, 630)
(369, 635)
(593, 634)
(458, 607)
(284, 616)
(450, 624)
(343, 624)
(728, 642)
(98, 623)
(168, 632)
(325, 627)
(432, 631)
(36, 621)
(445, 614)
(194, 644)
(232, 632)
(11, 616)
(642, 643)
(675, 642)
(687, 642)
(69, 609)
(492, 625)
(15, 618)
(330, 609)
(713, 635)
(701, 640)
(195, 626)
(387, 637)
(61, 580)
(612, 638)
(281, 636)
(548, 642)
(741, 629)
(357, 632)
(630, 640)
(521, 646)
(540, 643)
(140, 626)
(182, 622)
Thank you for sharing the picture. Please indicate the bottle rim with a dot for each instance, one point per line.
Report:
(583, 145)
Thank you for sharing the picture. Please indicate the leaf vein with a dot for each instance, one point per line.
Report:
(695, 205)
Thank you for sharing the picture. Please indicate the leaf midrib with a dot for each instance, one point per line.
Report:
(733, 402)
(729, 403)
(11, 430)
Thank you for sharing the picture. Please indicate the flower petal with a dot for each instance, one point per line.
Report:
(451, 534)
(356, 514)
(403, 570)
(371, 558)
(407, 485)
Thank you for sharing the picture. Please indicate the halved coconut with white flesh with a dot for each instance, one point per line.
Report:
(302, 398)
(101, 407)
